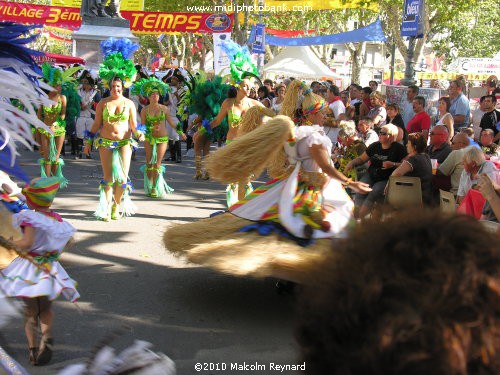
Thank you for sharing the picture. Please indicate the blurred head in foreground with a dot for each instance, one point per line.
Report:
(414, 294)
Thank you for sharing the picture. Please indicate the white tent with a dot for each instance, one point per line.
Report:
(299, 62)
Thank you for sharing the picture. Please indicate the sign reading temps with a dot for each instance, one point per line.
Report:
(413, 18)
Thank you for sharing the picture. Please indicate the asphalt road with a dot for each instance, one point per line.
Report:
(127, 279)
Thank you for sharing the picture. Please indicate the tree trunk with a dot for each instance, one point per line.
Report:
(357, 57)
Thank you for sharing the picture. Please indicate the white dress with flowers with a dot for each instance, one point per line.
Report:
(289, 200)
(21, 278)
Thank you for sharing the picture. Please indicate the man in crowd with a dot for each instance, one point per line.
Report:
(487, 145)
(492, 116)
(407, 107)
(421, 122)
(316, 87)
(460, 108)
(373, 85)
(452, 166)
(366, 132)
(439, 147)
(476, 117)
(335, 103)
(270, 86)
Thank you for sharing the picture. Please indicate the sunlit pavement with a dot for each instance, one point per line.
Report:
(127, 279)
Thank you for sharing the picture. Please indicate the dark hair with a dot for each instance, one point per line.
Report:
(367, 90)
(368, 120)
(416, 293)
(418, 142)
(116, 78)
(375, 82)
(334, 90)
(421, 100)
(414, 89)
(89, 79)
(314, 83)
(447, 101)
(394, 106)
(232, 92)
(270, 81)
(493, 98)
(263, 89)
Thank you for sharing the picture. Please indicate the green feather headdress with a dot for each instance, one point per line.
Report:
(146, 86)
(116, 62)
(241, 66)
(52, 75)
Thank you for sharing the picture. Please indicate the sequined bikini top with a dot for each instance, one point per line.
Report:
(55, 109)
(233, 118)
(150, 120)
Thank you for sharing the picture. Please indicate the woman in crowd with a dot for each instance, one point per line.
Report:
(116, 122)
(417, 164)
(264, 97)
(384, 155)
(89, 97)
(394, 117)
(475, 165)
(445, 117)
(155, 116)
(278, 100)
(377, 112)
(54, 117)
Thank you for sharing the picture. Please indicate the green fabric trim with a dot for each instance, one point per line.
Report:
(112, 144)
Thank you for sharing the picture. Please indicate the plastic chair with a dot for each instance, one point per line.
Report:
(404, 192)
(447, 202)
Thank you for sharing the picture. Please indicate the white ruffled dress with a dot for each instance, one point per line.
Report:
(21, 278)
(278, 200)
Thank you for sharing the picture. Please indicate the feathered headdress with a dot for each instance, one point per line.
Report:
(240, 64)
(18, 81)
(116, 61)
(52, 75)
(146, 86)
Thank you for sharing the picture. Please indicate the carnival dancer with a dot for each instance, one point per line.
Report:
(51, 143)
(155, 116)
(44, 236)
(115, 119)
(290, 218)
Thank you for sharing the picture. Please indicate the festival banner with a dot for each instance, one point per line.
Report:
(140, 22)
(305, 5)
(259, 45)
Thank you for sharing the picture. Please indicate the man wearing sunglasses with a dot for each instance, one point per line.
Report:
(439, 147)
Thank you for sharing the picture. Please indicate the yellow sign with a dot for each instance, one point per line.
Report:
(305, 5)
(133, 5)
(439, 75)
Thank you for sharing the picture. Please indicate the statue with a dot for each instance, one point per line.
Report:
(97, 8)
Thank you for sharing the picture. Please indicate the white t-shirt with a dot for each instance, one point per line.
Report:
(337, 108)
(466, 183)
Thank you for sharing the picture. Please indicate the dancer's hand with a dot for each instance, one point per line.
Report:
(360, 187)
(86, 150)
(183, 136)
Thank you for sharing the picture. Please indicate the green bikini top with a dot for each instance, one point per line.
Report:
(115, 118)
(51, 110)
(233, 118)
(150, 120)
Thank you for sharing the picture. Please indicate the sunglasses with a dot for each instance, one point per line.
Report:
(383, 133)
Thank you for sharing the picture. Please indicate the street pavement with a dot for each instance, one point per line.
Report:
(129, 281)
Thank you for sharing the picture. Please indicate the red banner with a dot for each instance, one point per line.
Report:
(140, 22)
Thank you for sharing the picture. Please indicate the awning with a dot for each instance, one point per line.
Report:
(59, 59)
